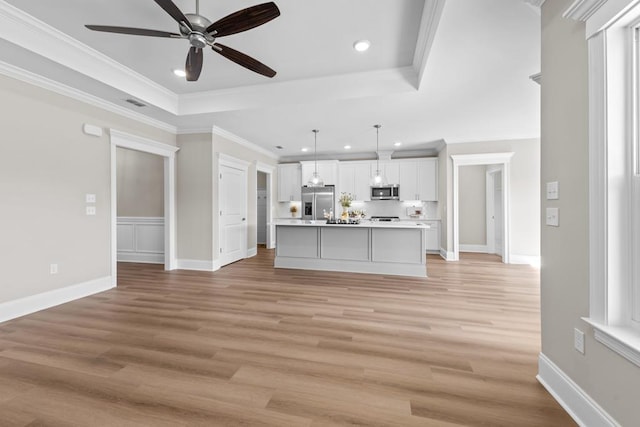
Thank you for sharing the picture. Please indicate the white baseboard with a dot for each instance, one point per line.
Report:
(251, 252)
(198, 265)
(447, 256)
(23, 306)
(578, 404)
(140, 257)
(531, 260)
(481, 249)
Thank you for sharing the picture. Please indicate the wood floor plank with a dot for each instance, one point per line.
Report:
(252, 345)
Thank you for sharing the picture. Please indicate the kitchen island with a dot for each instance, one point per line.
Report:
(393, 248)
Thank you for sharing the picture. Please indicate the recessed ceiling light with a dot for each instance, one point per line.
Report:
(398, 144)
(180, 73)
(362, 45)
(304, 150)
(347, 147)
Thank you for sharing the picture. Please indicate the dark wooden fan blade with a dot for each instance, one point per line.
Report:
(245, 60)
(133, 31)
(244, 19)
(175, 13)
(194, 64)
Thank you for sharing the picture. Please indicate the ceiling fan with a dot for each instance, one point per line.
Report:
(202, 33)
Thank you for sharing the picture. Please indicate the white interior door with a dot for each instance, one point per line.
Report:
(233, 214)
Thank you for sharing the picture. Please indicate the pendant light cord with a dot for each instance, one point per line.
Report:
(315, 150)
(377, 147)
(197, 7)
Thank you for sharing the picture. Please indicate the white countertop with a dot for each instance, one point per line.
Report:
(363, 224)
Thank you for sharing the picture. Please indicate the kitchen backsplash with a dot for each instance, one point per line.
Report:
(375, 208)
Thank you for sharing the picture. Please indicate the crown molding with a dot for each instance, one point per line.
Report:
(431, 15)
(241, 141)
(581, 10)
(193, 131)
(39, 37)
(535, 3)
(61, 89)
(536, 78)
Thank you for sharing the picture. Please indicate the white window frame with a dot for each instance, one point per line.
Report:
(610, 26)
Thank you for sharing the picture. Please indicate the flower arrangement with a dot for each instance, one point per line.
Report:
(345, 199)
(293, 209)
(357, 213)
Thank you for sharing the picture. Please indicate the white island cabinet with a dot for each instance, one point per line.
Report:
(392, 248)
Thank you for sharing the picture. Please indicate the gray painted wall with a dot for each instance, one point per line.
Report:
(608, 378)
(140, 183)
(47, 165)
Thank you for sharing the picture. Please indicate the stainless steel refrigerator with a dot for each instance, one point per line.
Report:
(317, 200)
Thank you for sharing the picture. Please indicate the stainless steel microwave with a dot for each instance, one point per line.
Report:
(386, 192)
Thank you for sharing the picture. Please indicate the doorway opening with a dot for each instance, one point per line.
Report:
(261, 209)
(497, 161)
(167, 152)
(265, 175)
(140, 206)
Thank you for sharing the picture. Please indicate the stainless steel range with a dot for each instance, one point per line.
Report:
(385, 218)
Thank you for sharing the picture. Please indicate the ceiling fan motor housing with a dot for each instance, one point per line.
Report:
(198, 37)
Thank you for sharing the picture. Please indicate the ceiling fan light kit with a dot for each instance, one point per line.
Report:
(202, 33)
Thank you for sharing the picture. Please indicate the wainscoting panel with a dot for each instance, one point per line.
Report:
(141, 239)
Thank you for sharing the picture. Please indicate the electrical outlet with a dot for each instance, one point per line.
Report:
(578, 340)
(90, 198)
(91, 210)
(53, 269)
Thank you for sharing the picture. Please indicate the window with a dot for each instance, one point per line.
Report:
(614, 174)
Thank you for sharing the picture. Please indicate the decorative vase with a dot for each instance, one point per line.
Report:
(345, 214)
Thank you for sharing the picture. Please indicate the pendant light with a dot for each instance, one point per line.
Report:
(378, 178)
(315, 180)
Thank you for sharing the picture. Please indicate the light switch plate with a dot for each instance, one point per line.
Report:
(553, 217)
(90, 198)
(552, 191)
(91, 210)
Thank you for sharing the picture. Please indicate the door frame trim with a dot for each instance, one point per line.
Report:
(490, 206)
(269, 170)
(168, 152)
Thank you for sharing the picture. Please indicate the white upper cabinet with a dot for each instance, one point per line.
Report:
(289, 182)
(389, 168)
(355, 179)
(419, 179)
(327, 169)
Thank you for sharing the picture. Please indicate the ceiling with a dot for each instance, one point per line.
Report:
(437, 70)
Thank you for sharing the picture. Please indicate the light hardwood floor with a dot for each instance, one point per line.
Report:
(251, 345)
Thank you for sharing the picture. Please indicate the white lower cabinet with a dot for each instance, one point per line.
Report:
(432, 243)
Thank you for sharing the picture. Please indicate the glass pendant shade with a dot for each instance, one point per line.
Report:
(315, 180)
(378, 179)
